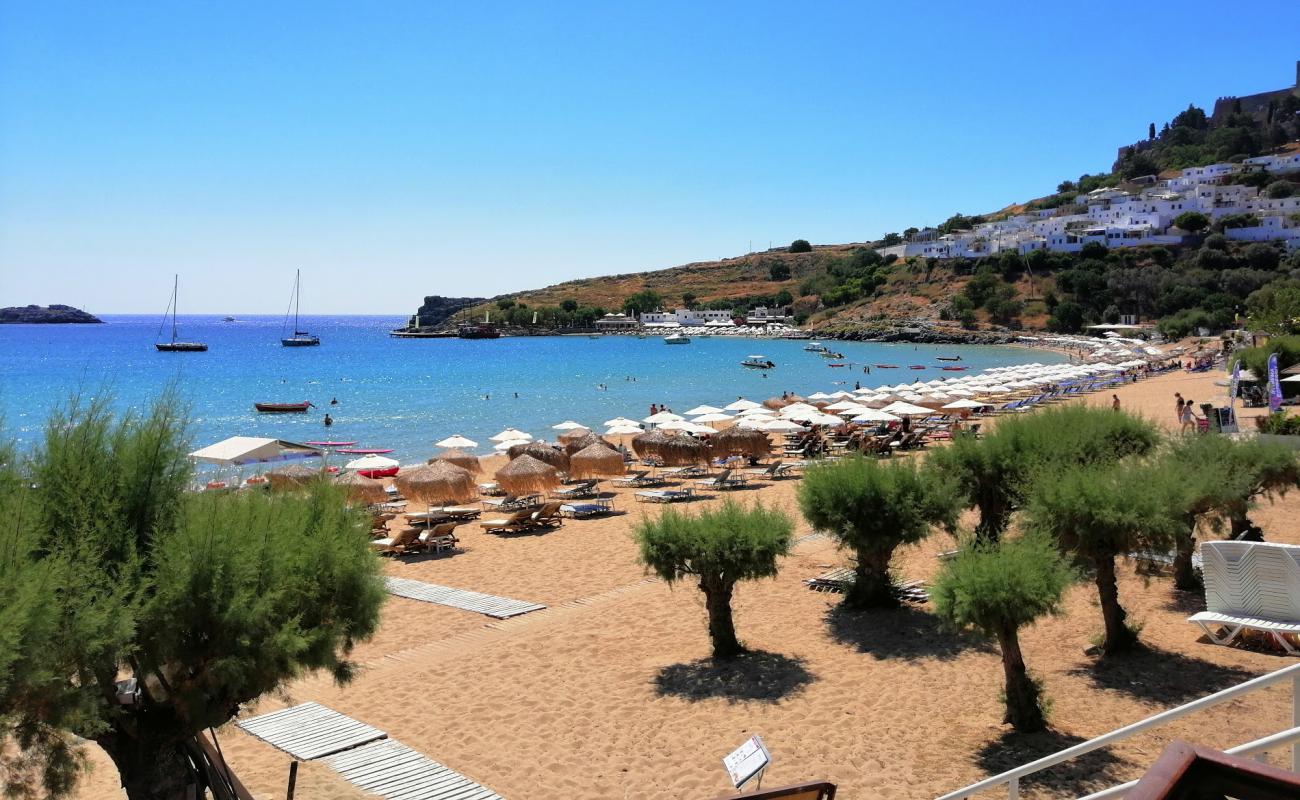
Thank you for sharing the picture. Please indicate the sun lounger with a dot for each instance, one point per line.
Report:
(438, 538)
(638, 479)
(517, 521)
(589, 508)
(723, 480)
(772, 472)
(820, 790)
(490, 489)
(1250, 585)
(577, 490)
(513, 502)
(664, 495)
(457, 512)
(398, 543)
(683, 472)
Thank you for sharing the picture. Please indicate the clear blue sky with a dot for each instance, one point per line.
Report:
(398, 149)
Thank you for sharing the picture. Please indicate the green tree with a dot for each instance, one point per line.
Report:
(999, 588)
(891, 239)
(800, 246)
(569, 306)
(872, 508)
(688, 299)
(1067, 317)
(505, 304)
(1099, 513)
(1275, 308)
(113, 571)
(995, 474)
(780, 271)
(1281, 189)
(718, 547)
(1192, 221)
(643, 301)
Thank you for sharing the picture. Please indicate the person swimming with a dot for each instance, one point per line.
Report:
(328, 420)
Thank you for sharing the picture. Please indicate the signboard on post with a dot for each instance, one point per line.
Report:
(1274, 386)
(747, 761)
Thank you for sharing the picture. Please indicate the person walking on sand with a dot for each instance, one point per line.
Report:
(1114, 402)
(1187, 418)
(1178, 408)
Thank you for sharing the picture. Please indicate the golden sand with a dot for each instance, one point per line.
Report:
(608, 693)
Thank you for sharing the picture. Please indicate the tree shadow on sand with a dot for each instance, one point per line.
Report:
(754, 675)
(1162, 676)
(902, 632)
(1089, 772)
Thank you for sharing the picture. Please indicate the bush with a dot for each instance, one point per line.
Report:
(780, 271)
(800, 246)
(1192, 221)
(1278, 190)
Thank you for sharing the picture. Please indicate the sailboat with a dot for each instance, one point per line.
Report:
(174, 346)
(299, 338)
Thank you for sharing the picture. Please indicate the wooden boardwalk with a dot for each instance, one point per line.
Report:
(310, 731)
(497, 607)
(394, 771)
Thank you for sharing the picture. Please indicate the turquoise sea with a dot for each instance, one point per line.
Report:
(408, 393)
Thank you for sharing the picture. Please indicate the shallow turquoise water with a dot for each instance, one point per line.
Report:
(408, 393)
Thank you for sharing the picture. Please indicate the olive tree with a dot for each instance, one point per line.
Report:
(113, 572)
(999, 588)
(872, 508)
(995, 474)
(718, 547)
(1098, 514)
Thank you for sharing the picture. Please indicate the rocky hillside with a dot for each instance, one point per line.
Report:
(45, 315)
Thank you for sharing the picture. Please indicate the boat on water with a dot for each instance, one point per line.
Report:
(282, 408)
(828, 354)
(917, 366)
(330, 444)
(300, 338)
(677, 338)
(367, 451)
(176, 346)
(885, 366)
(758, 362)
(228, 319)
(815, 347)
(953, 369)
(947, 358)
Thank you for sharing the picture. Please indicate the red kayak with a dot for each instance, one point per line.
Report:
(952, 369)
(834, 365)
(367, 451)
(330, 444)
(282, 408)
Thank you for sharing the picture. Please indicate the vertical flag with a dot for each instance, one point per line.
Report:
(1234, 383)
(1274, 387)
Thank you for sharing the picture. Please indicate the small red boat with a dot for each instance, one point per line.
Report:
(282, 408)
(330, 444)
(834, 365)
(952, 369)
(367, 451)
(886, 366)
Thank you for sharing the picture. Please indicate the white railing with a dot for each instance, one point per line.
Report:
(1011, 778)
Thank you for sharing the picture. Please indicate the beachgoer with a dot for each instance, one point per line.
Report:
(334, 401)
(857, 385)
(328, 420)
(1114, 402)
(1188, 418)
(867, 370)
(1178, 409)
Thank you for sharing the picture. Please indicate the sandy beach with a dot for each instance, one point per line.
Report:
(607, 693)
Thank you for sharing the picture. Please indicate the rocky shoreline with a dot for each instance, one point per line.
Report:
(46, 315)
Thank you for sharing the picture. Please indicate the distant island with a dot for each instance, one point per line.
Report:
(46, 315)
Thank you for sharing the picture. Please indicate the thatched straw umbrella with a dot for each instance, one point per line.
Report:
(437, 483)
(583, 442)
(466, 461)
(542, 452)
(775, 402)
(574, 434)
(595, 461)
(646, 445)
(361, 489)
(794, 398)
(681, 451)
(292, 477)
(525, 475)
(742, 442)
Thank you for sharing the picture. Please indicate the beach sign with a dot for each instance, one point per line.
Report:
(1234, 384)
(746, 761)
(1274, 387)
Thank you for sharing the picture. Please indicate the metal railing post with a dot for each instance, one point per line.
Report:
(1013, 789)
(1295, 722)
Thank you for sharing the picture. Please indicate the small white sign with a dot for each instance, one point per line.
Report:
(747, 761)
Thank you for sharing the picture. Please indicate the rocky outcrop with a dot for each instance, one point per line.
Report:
(46, 315)
(437, 309)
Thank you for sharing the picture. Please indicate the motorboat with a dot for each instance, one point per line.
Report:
(758, 362)
(825, 353)
(175, 346)
(300, 338)
(677, 338)
(282, 408)
(228, 319)
(815, 347)
(947, 358)
(886, 366)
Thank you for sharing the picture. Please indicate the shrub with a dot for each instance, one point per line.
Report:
(800, 246)
(1192, 221)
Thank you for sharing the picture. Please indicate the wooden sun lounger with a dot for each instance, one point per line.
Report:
(819, 790)
(526, 519)
(517, 521)
(398, 543)
(665, 495)
(438, 538)
(839, 580)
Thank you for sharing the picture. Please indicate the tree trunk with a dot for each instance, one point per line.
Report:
(871, 587)
(1023, 710)
(722, 630)
(1118, 637)
(1185, 577)
(151, 767)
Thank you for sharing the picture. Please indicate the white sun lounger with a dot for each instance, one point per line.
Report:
(1250, 585)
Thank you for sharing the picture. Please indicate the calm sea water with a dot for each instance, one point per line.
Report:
(408, 393)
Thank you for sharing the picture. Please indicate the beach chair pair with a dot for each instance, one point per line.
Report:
(414, 540)
(777, 469)
(640, 479)
(516, 502)
(722, 481)
(596, 507)
(526, 520)
(576, 491)
(665, 495)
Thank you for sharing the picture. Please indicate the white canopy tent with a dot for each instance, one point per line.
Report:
(241, 450)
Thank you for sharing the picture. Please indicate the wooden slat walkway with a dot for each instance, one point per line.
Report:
(498, 607)
(839, 580)
(394, 771)
(310, 731)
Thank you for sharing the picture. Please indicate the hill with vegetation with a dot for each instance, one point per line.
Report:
(852, 290)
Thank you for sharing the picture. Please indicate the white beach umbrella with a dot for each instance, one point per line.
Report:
(819, 396)
(617, 421)
(662, 417)
(758, 412)
(702, 410)
(511, 433)
(456, 441)
(691, 427)
(624, 430)
(372, 462)
(826, 419)
(742, 405)
(872, 415)
(508, 443)
(717, 417)
(780, 426)
(843, 405)
(905, 409)
(964, 403)
(568, 425)
(842, 395)
(795, 408)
